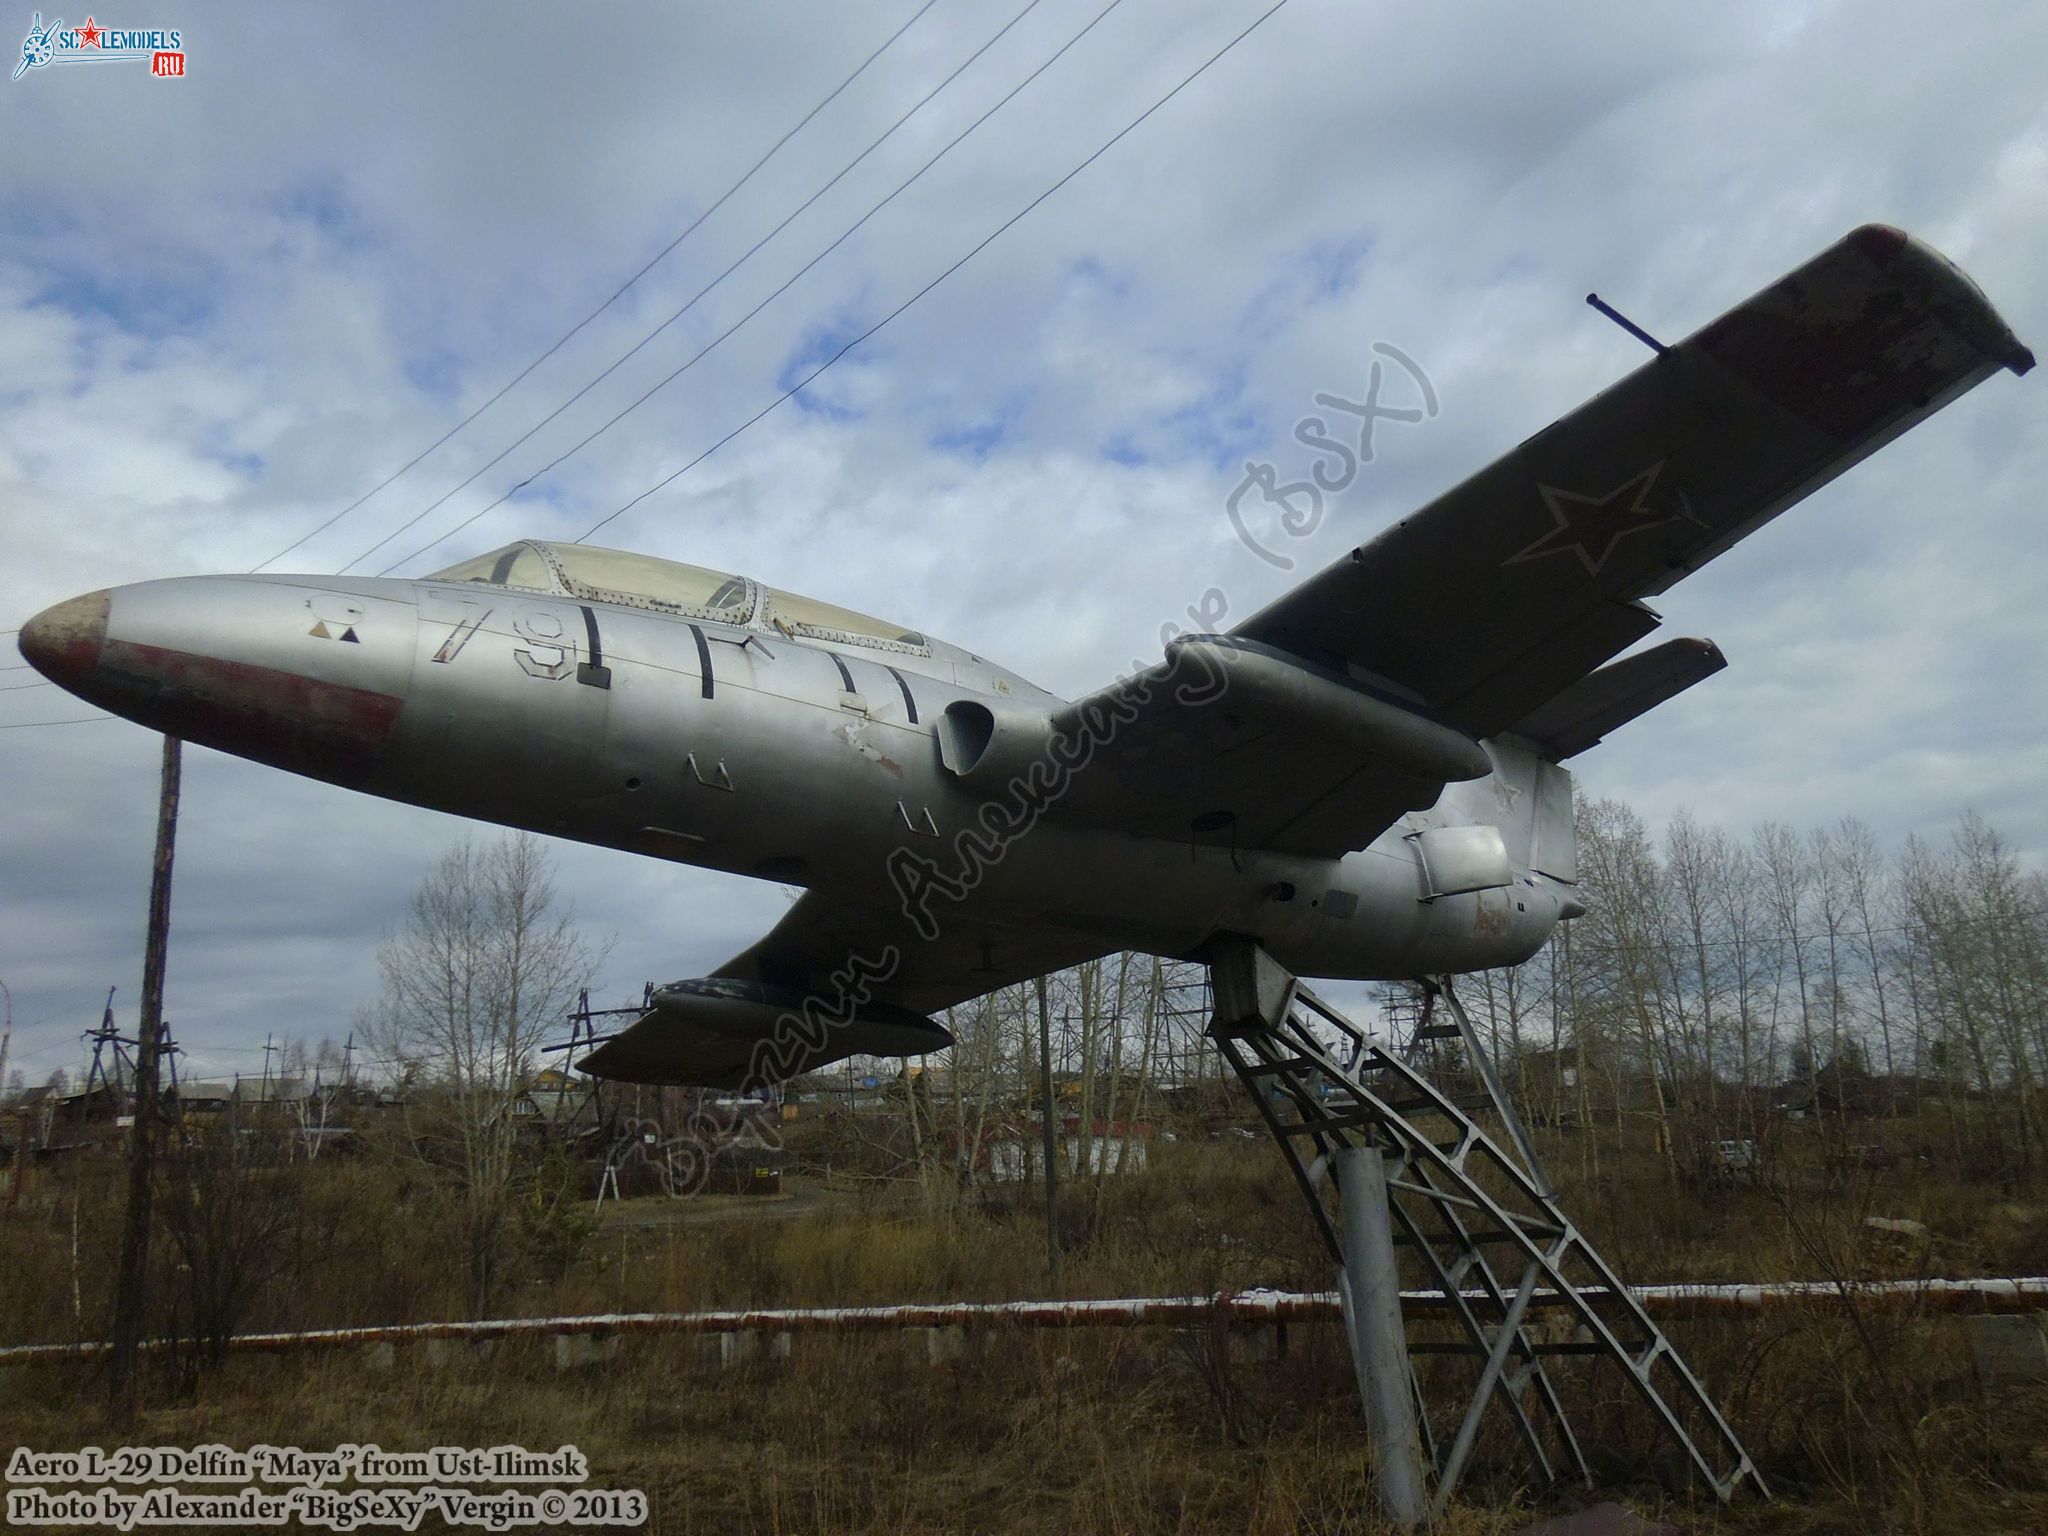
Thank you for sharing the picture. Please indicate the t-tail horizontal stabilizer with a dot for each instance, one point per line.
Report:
(1608, 699)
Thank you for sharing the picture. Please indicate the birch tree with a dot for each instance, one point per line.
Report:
(484, 968)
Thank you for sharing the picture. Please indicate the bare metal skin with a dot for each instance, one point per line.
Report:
(1363, 777)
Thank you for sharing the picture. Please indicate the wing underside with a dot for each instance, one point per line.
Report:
(1507, 592)
(835, 960)
(1496, 609)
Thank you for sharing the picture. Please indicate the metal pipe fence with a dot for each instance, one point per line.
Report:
(1243, 1309)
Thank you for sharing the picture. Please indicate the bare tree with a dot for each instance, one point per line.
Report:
(977, 1079)
(1864, 878)
(486, 964)
(1693, 862)
(1733, 883)
(227, 1201)
(1627, 934)
(1787, 873)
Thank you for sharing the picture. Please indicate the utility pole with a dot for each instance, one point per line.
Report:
(1052, 1178)
(20, 1109)
(134, 1272)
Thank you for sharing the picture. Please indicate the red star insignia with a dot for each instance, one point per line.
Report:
(89, 34)
(1590, 526)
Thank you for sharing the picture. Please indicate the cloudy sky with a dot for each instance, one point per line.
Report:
(233, 303)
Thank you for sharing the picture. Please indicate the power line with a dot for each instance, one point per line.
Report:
(617, 294)
(633, 350)
(986, 241)
(794, 389)
(23, 725)
(569, 334)
(893, 314)
(955, 266)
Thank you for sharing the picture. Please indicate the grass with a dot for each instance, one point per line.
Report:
(1862, 1423)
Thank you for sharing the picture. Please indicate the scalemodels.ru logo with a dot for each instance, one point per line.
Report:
(163, 48)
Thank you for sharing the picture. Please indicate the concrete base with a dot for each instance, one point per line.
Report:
(1265, 1341)
(444, 1353)
(944, 1343)
(577, 1351)
(2010, 1347)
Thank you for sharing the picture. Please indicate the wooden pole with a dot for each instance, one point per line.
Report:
(1052, 1178)
(130, 1291)
(20, 1108)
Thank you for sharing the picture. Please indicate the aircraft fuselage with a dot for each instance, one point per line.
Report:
(754, 750)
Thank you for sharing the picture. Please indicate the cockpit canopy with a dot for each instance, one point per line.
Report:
(669, 586)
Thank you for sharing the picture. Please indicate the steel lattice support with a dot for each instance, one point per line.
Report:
(1522, 1284)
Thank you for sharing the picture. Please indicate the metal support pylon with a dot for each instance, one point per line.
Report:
(1520, 1286)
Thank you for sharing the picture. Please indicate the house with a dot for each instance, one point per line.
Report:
(748, 1164)
(1013, 1151)
(201, 1097)
(1832, 1091)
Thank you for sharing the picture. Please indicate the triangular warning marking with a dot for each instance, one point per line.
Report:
(319, 630)
(349, 635)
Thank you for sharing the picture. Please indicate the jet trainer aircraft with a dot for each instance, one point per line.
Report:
(1363, 777)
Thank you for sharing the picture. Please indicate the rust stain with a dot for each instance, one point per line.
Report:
(325, 730)
(1842, 349)
(1490, 919)
(891, 765)
(63, 642)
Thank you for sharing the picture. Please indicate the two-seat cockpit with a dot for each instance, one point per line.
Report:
(630, 580)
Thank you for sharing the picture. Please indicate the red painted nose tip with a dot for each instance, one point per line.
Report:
(63, 641)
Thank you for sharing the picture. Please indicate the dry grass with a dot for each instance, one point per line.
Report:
(1871, 1423)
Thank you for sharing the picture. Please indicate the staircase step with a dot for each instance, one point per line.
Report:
(1275, 1068)
(1464, 1103)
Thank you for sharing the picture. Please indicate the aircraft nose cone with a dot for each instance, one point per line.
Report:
(63, 642)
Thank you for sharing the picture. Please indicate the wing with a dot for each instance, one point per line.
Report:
(829, 935)
(864, 969)
(1494, 600)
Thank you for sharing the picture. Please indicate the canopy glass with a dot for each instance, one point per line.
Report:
(642, 581)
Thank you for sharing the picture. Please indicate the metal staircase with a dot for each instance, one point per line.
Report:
(1521, 1288)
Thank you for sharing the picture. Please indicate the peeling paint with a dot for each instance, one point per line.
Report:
(851, 734)
(1243, 1309)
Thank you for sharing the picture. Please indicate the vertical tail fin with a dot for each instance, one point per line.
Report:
(1529, 798)
(1534, 793)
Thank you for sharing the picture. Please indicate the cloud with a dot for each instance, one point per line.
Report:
(232, 303)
